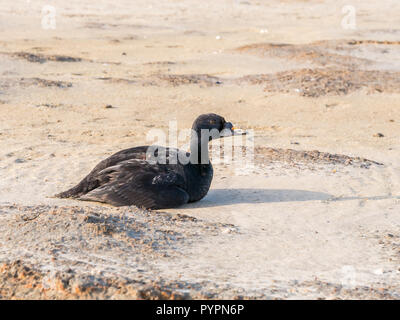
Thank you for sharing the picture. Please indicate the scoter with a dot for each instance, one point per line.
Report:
(156, 177)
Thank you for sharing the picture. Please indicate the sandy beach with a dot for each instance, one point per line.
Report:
(316, 217)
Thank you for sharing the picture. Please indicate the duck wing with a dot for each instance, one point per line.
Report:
(91, 181)
(138, 182)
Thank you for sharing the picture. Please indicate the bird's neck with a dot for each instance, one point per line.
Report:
(199, 149)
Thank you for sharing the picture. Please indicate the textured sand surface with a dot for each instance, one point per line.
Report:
(300, 224)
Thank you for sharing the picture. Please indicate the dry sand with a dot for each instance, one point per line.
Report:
(301, 224)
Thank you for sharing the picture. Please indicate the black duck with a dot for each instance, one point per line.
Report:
(155, 177)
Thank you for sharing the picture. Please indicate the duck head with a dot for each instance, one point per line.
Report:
(212, 126)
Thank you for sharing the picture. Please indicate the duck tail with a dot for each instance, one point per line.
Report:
(74, 192)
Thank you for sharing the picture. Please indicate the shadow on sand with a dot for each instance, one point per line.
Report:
(223, 197)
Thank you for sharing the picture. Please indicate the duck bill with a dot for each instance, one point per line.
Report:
(229, 132)
(239, 132)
